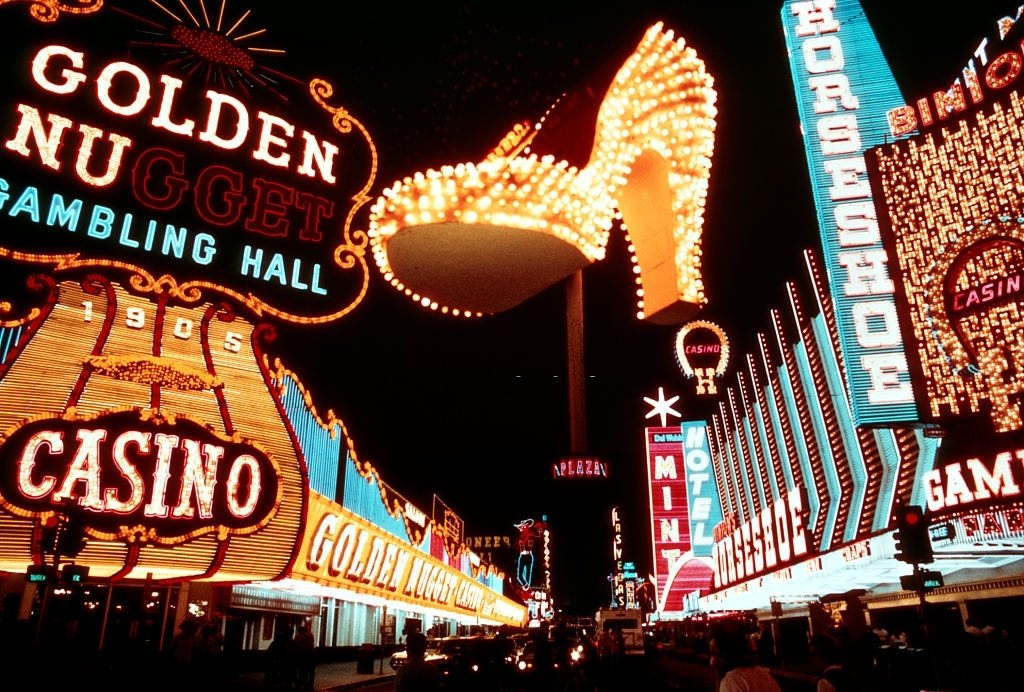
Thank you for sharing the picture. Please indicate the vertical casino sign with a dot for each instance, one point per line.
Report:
(170, 196)
(702, 352)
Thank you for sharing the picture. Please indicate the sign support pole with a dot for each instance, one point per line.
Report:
(922, 614)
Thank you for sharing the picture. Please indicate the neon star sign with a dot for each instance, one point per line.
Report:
(662, 406)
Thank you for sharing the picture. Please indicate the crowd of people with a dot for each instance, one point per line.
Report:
(195, 653)
(875, 660)
(196, 656)
(742, 653)
(291, 660)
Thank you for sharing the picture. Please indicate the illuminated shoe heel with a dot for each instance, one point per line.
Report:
(655, 141)
(477, 239)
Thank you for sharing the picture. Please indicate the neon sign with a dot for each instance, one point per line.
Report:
(965, 484)
(217, 189)
(774, 537)
(844, 88)
(160, 218)
(702, 351)
(979, 79)
(960, 259)
(352, 553)
(529, 532)
(705, 509)
(684, 509)
(580, 467)
(344, 551)
(123, 469)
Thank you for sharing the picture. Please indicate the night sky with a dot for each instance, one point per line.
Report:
(476, 411)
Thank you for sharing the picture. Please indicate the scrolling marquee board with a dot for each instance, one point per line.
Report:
(169, 196)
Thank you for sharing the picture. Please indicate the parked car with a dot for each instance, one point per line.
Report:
(474, 663)
(399, 658)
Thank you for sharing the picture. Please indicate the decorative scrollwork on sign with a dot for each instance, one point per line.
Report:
(50, 10)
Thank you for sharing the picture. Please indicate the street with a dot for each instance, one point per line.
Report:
(630, 674)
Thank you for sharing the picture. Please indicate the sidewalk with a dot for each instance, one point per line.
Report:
(330, 677)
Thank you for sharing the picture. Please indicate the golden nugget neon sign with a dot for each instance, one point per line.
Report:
(216, 189)
(125, 89)
(348, 552)
(341, 550)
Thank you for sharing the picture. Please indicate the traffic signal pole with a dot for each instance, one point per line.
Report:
(48, 584)
(914, 546)
(62, 536)
(922, 610)
(922, 604)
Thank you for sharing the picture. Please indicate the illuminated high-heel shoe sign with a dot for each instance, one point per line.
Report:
(161, 216)
(471, 239)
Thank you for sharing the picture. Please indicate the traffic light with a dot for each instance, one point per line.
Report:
(71, 537)
(62, 535)
(49, 534)
(913, 543)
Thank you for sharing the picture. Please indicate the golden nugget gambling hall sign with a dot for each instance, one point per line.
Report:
(233, 177)
(344, 551)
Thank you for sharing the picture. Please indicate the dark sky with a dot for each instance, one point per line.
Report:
(476, 411)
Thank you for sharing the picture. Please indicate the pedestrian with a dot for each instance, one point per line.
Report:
(585, 677)
(304, 658)
(606, 644)
(620, 642)
(827, 654)
(543, 675)
(418, 674)
(182, 655)
(736, 661)
(971, 627)
(208, 648)
(280, 672)
(561, 656)
(766, 644)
